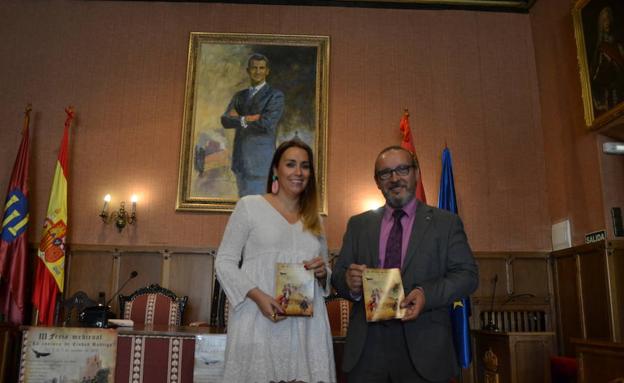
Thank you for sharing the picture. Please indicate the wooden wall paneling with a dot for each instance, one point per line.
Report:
(490, 265)
(530, 277)
(149, 265)
(192, 274)
(190, 271)
(90, 271)
(523, 285)
(589, 292)
(185, 271)
(569, 318)
(166, 268)
(599, 361)
(615, 256)
(530, 353)
(595, 295)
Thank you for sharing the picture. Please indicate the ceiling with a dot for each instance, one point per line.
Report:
(521, 6)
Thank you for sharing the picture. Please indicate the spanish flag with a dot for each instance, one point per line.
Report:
(408, 144)
(14, 237)
(50, 273)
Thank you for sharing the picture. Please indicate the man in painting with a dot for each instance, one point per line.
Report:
(607, 65)
(254, 113)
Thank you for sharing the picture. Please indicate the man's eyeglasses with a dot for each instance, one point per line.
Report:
(401, 170)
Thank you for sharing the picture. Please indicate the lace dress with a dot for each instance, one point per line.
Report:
(259, 350)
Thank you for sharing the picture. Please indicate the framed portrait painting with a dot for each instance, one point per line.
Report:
(246, 94)
(599, 33)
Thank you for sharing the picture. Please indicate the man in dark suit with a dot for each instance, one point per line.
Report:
(254, 113)
(437, 267)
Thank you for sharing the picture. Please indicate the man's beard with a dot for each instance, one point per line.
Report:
(402, 200)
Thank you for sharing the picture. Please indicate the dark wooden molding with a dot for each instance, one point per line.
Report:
(519, 6)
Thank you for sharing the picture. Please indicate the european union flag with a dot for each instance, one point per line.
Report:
(460, 312)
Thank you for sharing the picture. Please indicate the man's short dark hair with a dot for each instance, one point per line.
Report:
(258, 57)
(397, 147)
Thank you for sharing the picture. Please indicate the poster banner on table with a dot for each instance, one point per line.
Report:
(54, 354)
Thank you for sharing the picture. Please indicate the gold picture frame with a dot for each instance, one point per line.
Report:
(293, 105)
(599, 33)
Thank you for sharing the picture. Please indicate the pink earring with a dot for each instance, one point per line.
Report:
(274, 185)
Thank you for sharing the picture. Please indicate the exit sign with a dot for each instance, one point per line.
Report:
(596, 236)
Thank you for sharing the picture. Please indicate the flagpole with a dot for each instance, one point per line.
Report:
(27, 110)
(35, 313)
(27, 117)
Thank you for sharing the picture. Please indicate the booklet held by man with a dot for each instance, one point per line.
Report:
(294, 289)
(383, 293)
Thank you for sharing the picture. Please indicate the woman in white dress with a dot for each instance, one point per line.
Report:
(280, 226)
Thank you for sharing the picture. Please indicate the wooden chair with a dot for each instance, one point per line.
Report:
(338, 311)
(153, 305)
(220, 306)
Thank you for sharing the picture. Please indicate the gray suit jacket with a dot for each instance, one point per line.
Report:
(255, 144)
(438, 260)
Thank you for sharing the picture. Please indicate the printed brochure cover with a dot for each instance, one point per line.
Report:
(294, 289)
(383, 292)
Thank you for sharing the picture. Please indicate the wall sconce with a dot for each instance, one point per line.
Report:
(372, 203)
(121, 217)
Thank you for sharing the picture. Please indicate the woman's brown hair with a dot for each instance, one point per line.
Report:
(308, 200)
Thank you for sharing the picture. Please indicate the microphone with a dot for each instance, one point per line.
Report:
(491, 326)
(98, 316)
(133, 275)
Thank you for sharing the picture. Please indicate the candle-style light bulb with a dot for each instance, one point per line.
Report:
(107, 199)
(134, 199)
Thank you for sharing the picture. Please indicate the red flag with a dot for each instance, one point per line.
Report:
(407, 143)
(50, 274)
(14, 241)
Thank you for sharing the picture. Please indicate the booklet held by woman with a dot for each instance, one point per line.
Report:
(294, 289)
(383, 293)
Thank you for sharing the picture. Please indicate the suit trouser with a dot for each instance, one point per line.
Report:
(385, 357)
(248, 185)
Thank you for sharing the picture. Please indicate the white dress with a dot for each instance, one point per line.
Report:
(259, 350)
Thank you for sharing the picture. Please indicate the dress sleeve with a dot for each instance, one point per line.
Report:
(234, 281)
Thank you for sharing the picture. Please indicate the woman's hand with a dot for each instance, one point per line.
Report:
(317, 265)
(268, 306)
